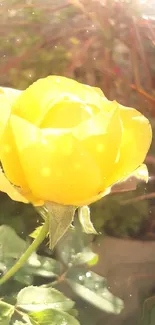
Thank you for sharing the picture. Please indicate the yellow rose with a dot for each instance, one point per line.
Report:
(65, 142)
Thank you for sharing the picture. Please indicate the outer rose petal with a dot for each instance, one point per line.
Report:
(56, 167)
(97, 124)
(8, 153)
(136, 140)
(130, 183)
(4, 112)
(101, 137)
(10, 159)
(34, 101)
(6, 187)
(16, 194)
(10, 93)
(94, 198)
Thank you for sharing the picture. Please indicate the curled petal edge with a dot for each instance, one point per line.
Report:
(130, 183)
(127, 184)
(16, 193)
(96, 125)
(10, 190)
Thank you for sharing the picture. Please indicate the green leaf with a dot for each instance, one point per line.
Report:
(36, 265)
(74, 249)
(6, 312)
(61, 217)
(93, 288)
(39, 298)
(86, 256)
(23, 277)
(84, 218)
(42, 266)
(53, 317)
(11, 245)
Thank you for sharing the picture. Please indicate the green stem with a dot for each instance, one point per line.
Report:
(33, 247)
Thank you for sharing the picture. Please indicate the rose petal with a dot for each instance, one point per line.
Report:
(32, 103)
(55, 167)
(130, 183)
(104, 148)
(141, 173)
(94, 198)
(10, 93)
(99, 91)
(98, 124)
(136, 140)
(10, 159)
(32, 199)
(10, 190)
(66, 112)
(4, 112)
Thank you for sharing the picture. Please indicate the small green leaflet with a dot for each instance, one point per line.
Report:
(34, 299)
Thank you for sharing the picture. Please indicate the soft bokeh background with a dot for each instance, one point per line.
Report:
(109, 44)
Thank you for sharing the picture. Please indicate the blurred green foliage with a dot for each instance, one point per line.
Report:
(93, 45)
(112, 217)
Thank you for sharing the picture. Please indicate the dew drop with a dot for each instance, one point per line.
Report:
(88, 274)
(80, 277)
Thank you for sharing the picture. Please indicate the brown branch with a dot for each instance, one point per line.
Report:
(143, 93)
(142, 53)
(139, 198)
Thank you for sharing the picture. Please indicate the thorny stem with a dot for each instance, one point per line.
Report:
(33, 247)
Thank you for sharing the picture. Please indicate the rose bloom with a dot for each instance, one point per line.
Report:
(65, 142)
